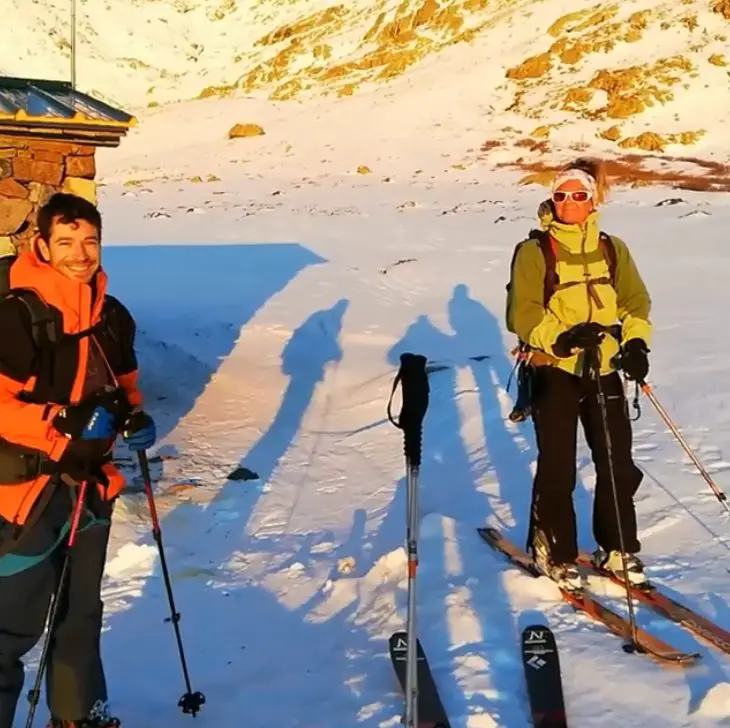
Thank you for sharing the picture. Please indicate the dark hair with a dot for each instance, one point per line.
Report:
(66, 208)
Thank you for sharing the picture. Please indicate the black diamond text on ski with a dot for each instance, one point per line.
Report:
(431, 713)
(541, 665)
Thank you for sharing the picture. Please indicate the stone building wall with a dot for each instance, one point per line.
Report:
(30, 172)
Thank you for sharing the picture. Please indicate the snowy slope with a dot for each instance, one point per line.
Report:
(534, 77)
(271, 312)
(276, 279)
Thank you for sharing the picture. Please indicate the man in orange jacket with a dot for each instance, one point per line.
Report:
(68, 386)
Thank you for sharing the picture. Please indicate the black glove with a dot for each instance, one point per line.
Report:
(86, 421)
(634, 360)
(96, 417)
(581, 336)
(139, 431)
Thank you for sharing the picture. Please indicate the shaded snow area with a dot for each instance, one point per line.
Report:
(276, 360)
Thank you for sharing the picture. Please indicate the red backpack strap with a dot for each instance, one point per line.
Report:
(605, 243)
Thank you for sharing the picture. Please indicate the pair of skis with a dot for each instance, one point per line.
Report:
(645, 642)
(649, 594)
(541, 665)
(423, 706)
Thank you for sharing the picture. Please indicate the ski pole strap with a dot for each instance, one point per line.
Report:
(413, 379)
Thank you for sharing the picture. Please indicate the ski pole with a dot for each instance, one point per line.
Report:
(595, 366)
(413, 379)
(190, 702)
(649, 392)
(35, 693)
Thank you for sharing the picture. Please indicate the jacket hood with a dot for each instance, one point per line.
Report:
(80, 303)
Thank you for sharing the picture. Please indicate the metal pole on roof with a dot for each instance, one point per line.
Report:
(73, 44)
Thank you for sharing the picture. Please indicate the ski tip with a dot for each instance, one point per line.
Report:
(537, 628)
(538, 636)
(399, 640)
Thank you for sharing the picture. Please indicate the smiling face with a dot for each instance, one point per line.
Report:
(573, 202)
(73, 249)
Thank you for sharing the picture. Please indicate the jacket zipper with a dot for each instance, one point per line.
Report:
(586, 271)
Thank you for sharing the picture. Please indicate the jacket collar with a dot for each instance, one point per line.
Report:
(79, 303)
(573, 238)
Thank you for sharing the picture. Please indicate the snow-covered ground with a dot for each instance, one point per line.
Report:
(275, 286)
(271, 314)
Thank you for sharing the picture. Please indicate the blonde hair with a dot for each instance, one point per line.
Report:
(596, 168)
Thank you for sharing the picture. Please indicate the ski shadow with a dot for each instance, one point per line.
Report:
(451, 561)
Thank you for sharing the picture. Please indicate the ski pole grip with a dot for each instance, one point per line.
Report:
(415, 395)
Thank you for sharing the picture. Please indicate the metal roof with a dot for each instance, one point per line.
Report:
(51, 107)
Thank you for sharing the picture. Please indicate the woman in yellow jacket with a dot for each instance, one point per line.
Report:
(594, 285)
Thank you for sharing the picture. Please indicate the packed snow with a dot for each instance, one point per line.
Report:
(271, 316)
(275, 288)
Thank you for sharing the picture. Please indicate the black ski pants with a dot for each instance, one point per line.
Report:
(75, 677)
(560, 401)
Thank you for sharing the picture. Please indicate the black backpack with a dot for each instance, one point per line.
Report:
(44, 323)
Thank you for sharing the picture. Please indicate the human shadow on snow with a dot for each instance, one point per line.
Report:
(312, 348)
(215, 290)
(452, 471)
(239, 632)
(474, 484)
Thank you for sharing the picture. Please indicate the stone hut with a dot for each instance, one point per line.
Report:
(49, 133)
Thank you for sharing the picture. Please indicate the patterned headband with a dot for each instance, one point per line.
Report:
(577, 174)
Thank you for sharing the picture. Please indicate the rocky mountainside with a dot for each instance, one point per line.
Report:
(643, 76)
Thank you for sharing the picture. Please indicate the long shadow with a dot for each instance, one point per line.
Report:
(312, 347)
(511, 450)
(211, 537)
(508, 462)
(190, 303)
(237, 617)
(449, 488)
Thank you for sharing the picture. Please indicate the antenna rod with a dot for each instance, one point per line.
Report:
(73, 44)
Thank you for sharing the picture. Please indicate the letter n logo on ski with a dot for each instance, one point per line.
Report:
(535, 637)
(401, 645)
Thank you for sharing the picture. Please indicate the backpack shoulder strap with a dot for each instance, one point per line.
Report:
(6, 263)
(549, 253)
(605, 242)
(43, 322)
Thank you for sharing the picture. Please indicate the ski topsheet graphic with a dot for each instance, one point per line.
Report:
(431, 713)
(541, 665)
